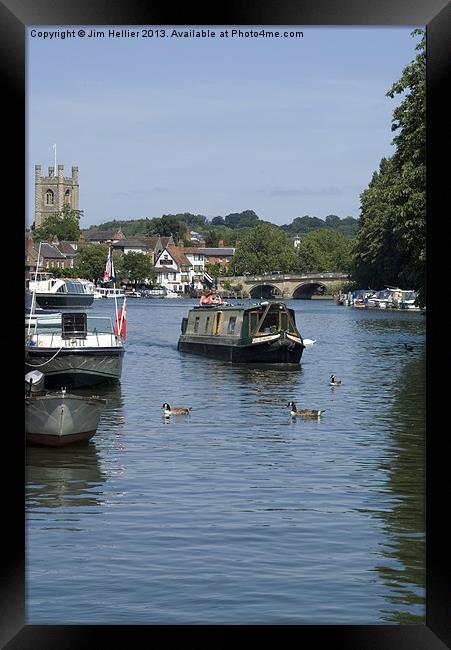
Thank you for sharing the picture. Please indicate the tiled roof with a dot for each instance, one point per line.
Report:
(178, 255)
(50, 250)
(97, 235)
(67, 247)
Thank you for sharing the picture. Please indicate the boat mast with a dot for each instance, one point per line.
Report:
(33, 293)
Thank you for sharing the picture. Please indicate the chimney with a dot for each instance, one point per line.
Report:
(188, 233)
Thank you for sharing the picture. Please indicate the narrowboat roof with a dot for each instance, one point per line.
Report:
(240, 306)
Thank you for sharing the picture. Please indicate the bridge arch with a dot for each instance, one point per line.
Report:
(306, 290)
(265, 290)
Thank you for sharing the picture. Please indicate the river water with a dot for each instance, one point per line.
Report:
(236, 514)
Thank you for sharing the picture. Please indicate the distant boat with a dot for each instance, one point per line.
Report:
(60, 418)
(264, 332)
(408, 300)
(58, 293)
(109, 292)
(73, 349)
(171, 294)
(156, 292)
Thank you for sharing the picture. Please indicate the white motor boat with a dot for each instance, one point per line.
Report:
(57, 293)
(73, 349)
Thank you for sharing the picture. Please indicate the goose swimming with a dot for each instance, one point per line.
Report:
(303, 413)
(177, 410)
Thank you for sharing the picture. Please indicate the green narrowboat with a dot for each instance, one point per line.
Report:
(264, 332)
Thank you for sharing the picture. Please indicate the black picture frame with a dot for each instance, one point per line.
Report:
(15, 16)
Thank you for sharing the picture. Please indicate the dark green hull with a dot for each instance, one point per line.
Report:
(252, 353)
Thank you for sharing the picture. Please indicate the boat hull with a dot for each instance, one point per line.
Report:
(58, 301)
(261, 352)
(75, 368)
(61, 419)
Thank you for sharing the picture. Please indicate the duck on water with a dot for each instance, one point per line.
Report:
(264, 332)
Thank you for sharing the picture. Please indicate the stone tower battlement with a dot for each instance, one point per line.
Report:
(52, 192)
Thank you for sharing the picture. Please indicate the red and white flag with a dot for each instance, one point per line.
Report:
(121, 324)
(108, 275)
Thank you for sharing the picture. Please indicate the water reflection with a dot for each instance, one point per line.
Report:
(404, 570)
(63, 476)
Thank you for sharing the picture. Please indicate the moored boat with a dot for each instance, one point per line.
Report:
(73, 349)
(109, 292)
(60, 418)
(263, 332)
(58, 293)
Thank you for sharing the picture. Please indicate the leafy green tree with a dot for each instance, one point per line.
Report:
(246, 219)
(167, 226)
(65, 272)
(212, 238)
(136, 268)
(409, 190)
(390, 246)
(91, 260)
(376, 259)
(324, 250)
(262, 249)
(65, 225)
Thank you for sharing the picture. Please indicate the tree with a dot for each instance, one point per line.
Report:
(65, 225)
(390, 246)
(262, 249)
(376, 259)
(91, 260)
(218, 221)
(137, 268)
(246, 219)
(409, 190)
(324, 250)
(167, 226)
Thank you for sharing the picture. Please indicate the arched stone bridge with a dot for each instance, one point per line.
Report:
(285, 286)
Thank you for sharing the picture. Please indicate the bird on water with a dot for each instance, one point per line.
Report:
(177, 410)
(334, 381)
(303, 413)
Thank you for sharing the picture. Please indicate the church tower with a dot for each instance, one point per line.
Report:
(52, 192)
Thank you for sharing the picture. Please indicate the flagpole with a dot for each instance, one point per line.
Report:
(33, 294)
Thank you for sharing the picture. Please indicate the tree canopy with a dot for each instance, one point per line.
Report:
(135, 268)
(262, 249)
(91, 260)
(65, 225)
(324, 250)
(390, 245)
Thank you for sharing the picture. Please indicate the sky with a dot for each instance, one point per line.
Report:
(165, 124)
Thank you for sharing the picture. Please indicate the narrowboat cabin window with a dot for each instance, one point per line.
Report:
(217, 323)
(232, 323)
(196, 324)
(207, 325)
(270, 322)
(253, 322)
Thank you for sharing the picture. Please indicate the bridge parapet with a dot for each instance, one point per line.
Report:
(284, 285)
(296, 277)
